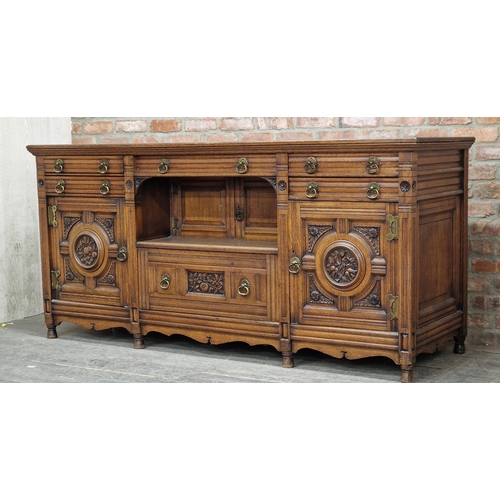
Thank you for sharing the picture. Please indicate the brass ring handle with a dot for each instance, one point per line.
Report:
(58, 166)
(311, 165)
(244, 288)
(60, 186)
(103, 166)
(373, 191)
(122, 254)
(294, 266)
(373, 165)
(165, 281)
(312, 190)
(105, 187)
(163, 166)
(242, 166)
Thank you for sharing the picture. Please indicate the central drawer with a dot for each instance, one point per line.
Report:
(225, 284)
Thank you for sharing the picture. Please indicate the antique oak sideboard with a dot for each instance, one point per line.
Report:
(351, 248)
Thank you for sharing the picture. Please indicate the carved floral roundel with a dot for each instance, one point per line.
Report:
(342, 265)
(86, 250)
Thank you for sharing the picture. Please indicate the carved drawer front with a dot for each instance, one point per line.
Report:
(101, 166)
(230, 285)
(327, 189)
(206, 165)
(92, 186)
(321, 165)
(89, 256)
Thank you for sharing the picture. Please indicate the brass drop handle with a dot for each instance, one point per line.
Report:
(373, 165)
(163, 166)
(122, 254)
(294, 266)
(312, 190)
(58, 166)
(242, 166)
(105, 187)
(165, 281)
(103, 166)
(244, 288)
(60, 186)
(311, 165)
(373, 191)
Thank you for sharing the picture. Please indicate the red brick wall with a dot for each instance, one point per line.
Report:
(484, 173)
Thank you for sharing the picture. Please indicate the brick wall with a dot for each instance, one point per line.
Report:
(484, 173)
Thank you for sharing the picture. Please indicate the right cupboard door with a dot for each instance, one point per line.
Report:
(343, 278)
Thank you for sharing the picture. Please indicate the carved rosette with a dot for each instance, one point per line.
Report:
(342, 265)
(86, 251)
(316, 296)
(315, 233)
(206, 283)
(372, 235)
(372, 299)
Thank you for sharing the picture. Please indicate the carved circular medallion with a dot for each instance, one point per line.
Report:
(86, 250)
(342, 265)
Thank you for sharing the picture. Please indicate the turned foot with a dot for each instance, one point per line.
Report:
(139, 341)
(459, 346)
(407, 374)
(51, 332)
(288, 360)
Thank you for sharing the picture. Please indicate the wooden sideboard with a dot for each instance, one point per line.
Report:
(351, 248)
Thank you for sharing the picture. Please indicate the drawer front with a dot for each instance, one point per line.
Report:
(231, 285)
(343, 166)
(84, 165)
(321, 189)
(71, 186)
(205, 166)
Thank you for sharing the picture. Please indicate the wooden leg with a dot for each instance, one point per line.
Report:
(51, 332)
(407, 373)
(459, 345)
(139, 341)
(287, 360)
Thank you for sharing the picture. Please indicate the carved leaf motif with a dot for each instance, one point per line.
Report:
(209, 283)
(315, 233)
(372, 234)
(70, 275)
(68, 223)
(107, 223)
(316, 296)
(110, 278)
(372, 299)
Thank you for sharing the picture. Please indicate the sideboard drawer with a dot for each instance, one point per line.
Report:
(205, 166)
(70, 186)
(229, 285)
(321, 189)
(98, 165)
(343, 166)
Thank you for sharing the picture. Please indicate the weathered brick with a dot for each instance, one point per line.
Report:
(486, 303)
(479, 284)
(453, 120)
(379, 134)
(490, 190)
(101, 127)
(479, 320)
(165, 125)
(357, 121)
(76, 128)
(488, 153)
(183, 138)
(478, 209)
(478, 302)
(257, 137)
(278, 123)
(336, 135)
(482, 134)
(316, 122)
(131, 126)
(221, 137)
(84, 140)
(236, 124)
(482, 247)
(402, 121)
(424, 132)
(294, 136)
(200, 124)
(482, 172)
(486, 228)
(484, 266)
(148, 139)
(497, 321)
(115, 139)
(487, 120)
(496, 284)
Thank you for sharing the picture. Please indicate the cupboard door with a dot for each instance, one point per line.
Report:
(88, 256)
(343, 273)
